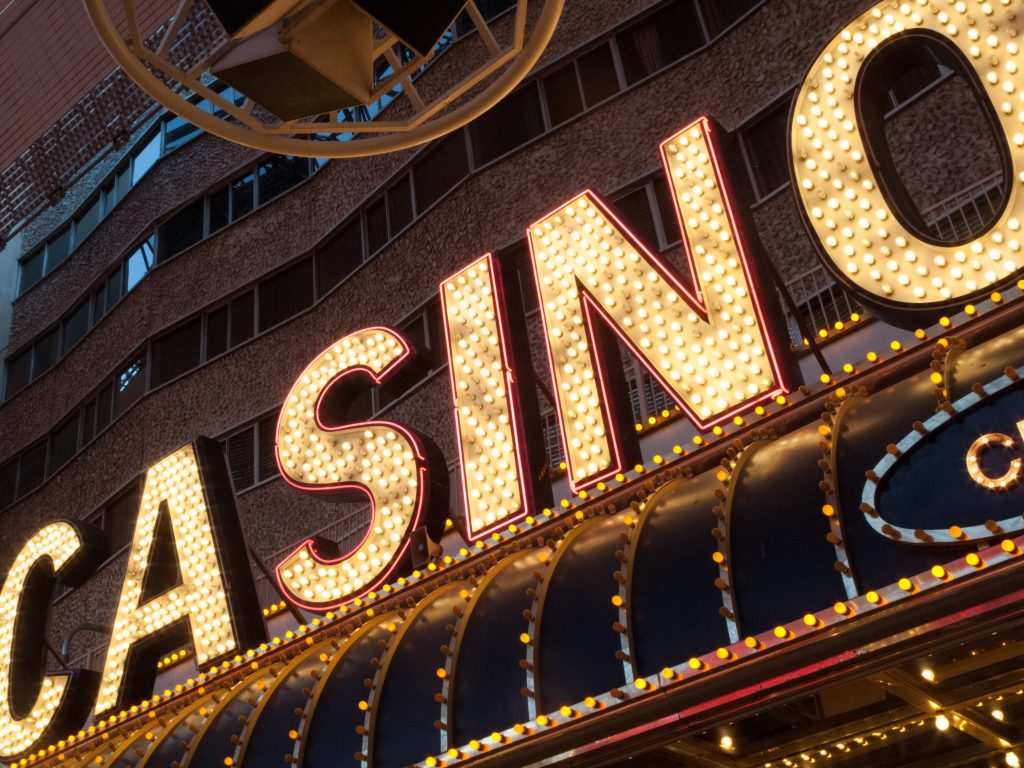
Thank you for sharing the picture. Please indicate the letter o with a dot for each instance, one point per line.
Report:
(839, 190)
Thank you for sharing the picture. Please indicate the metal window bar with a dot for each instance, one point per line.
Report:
(346, 532)
(967, 213)
(820, 301)
(552, 441)
(656, 397)
(92, 658)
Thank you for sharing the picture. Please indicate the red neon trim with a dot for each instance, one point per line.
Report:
(511, 398)
(667, 273)
(739, 237)
(378, 378)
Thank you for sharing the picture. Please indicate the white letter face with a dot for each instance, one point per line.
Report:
(859, 232)
(711, 351)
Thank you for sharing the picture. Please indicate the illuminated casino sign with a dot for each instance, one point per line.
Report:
(848, 493)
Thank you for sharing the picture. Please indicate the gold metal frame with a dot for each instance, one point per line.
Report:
(242, 125)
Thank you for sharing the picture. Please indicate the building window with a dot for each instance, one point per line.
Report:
(562, 94)
(663, 194)
(117, 519)
(58, 249)
(19, 373)
(47, 350)
(444, 166)
(339, 258)
(217, 332)
(104, 407)
(129, 385)
(423, 331)
(721, 14)
(280, 173)
(31, 468)
(243, 196)
(659, 40)
(99, 304)
(176, 353)
(597, 74)
(178, 131)
(139, 262)
(32, 269)
(8, 483)
(63, 444)
(286, 294)
(243, 318)
(251, 453)
(88, 422)
(765, 148)
(400, 212)
(145, 159)
(912, 81)
(376, 225)
(220, 208)
(266, 457)
(240, 449)
(510, 124)
(76, 326)
(182, 230)
(115, 288)
(88, 221)
(637, 211)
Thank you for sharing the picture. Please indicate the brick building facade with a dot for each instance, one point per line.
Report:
(208, 275)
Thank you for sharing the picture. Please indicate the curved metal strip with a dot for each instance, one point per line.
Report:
(672, 603)
(778, 535)
(170, 746)
(985, 362)
(732, 468)
(487, 648)
(328, 735)
(862, 429)
(129, 751)
(923, 491)
(90, 757)
(400, 722)
(267, 738)
(212, 744)
(574, 640)
(832, 509)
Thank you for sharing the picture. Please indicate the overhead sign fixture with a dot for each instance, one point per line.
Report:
(326, 78)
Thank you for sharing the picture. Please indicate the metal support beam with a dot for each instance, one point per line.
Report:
(985, 729)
